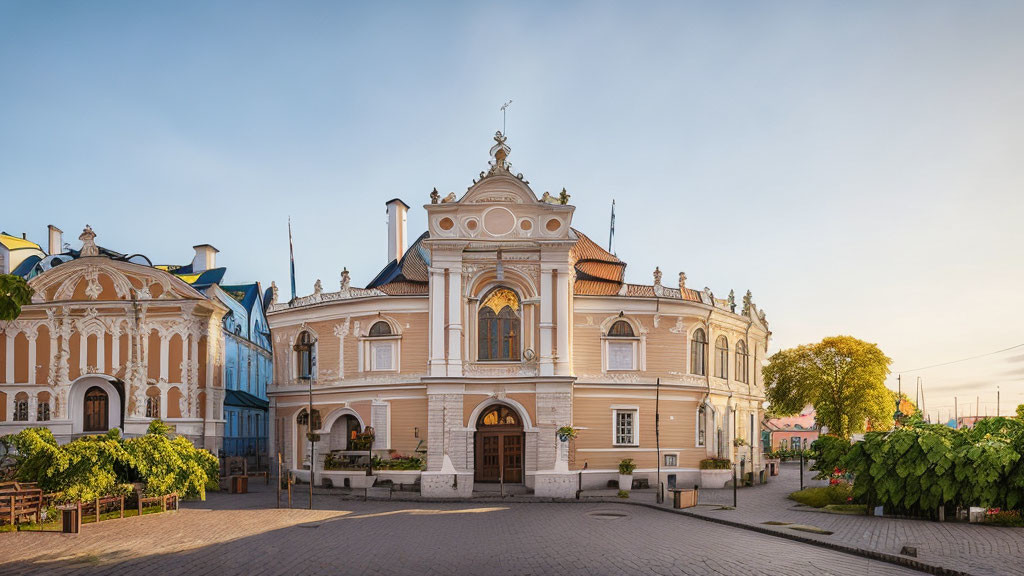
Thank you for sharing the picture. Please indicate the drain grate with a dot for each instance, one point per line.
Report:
(607, 514)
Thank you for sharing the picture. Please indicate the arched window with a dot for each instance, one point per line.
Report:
(742, 360)
(303, 419)
(43, 407)
(21, 407)
(380, 350)
(622, 329)
(621, 347)
(499, 416)
(499, 325)
(699, 353)
(305, 356)
(153, 402)
(721, 357)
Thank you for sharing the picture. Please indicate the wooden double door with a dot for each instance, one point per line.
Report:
(499, 453)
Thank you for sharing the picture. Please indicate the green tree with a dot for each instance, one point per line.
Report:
(841, 376)
(14, 293)
(1020, 411)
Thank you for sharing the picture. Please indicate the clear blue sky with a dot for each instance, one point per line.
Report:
(858, 165)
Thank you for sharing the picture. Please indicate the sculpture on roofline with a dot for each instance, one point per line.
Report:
(748, 299)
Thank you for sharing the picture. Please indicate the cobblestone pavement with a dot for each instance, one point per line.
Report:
(969, 548)
(244, 534)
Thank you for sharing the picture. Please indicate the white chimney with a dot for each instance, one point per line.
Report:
(397, 211)
(205, 259)
(56, 240)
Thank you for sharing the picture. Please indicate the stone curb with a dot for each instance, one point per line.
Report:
(870, 554)
(864, 553)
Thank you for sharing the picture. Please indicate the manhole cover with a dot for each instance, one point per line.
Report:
(607, 514)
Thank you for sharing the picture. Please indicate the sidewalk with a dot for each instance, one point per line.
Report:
(961, 547)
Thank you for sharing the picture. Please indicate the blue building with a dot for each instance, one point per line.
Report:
(248, 364)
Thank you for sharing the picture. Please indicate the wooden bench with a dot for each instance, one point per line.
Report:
(18, 499)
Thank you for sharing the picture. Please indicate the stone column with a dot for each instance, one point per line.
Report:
(437, 360)
(546, 324)
(32, 334)
(101, 352)
(564, 319)
(454, 322)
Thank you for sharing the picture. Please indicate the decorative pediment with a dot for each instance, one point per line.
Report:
(500, 205)
(102, 279)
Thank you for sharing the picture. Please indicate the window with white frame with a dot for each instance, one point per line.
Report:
(698, 352)
(742, 361)
(721, 357)
(624, 422)
(621, 347)
(671, 460)
(381, 347)
(702, 425)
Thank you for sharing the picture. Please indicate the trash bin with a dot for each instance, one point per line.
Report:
(239, 484)
(71, 519)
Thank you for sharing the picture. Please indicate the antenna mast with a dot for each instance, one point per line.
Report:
(504, 107)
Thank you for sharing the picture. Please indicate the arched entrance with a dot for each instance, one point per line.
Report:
(96, 410)
(498, 446)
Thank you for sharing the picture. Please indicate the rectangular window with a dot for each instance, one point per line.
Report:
(671, 460)
(796, 443)
(621, 356)
(382, 356)
(625, 427)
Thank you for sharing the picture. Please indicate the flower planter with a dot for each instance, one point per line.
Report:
(625, 481)
(715, 478)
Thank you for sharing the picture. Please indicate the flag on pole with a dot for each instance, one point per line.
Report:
(611, 230)
(291, 253)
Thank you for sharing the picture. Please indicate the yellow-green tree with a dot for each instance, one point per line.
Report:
(14, 293)
(841, 376)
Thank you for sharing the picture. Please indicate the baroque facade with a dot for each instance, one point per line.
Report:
(110, 341)
(501, 324)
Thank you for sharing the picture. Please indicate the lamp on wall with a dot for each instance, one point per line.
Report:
(416, 432)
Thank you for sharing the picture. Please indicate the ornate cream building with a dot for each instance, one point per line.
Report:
(501, 324)
(109, 341)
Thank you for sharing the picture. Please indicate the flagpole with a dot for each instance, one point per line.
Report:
(291, 255)
(611, 229)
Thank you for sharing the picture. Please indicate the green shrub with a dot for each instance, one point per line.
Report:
(715, 464)
(828, 453)
(623, 494)
(821, 496)
(626, 466)
(915, 470)
(1005, 518)
(94, 466)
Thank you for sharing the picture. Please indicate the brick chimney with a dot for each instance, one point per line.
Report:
(397, 212)
(205, 259)
(56, 242)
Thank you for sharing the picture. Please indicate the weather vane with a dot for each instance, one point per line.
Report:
(504, 107)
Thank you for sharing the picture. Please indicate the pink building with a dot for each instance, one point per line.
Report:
(793, 432)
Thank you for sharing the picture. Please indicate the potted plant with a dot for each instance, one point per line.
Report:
(626, 467)
(566, 433)
(715, 472)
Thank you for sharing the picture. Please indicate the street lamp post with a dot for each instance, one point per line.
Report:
(306, 345)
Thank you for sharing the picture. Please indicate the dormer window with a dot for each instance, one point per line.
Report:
(380, 347)
(621, 347)
(500, 326)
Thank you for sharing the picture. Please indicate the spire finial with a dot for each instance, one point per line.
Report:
(500, 150)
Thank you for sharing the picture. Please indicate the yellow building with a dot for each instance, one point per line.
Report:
(496, 327)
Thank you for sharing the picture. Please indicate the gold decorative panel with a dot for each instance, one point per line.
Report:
(500, 298)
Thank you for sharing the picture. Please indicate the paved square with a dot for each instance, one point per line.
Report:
(244, 534)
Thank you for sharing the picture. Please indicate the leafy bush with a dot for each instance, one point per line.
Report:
(399, 462)
(623, 494)
(94, 466)
(822, 496)
(715, 464)
(828, 453)
(915, 470)
(1004, 518)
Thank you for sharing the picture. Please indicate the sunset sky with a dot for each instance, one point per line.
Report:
(857, 165)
